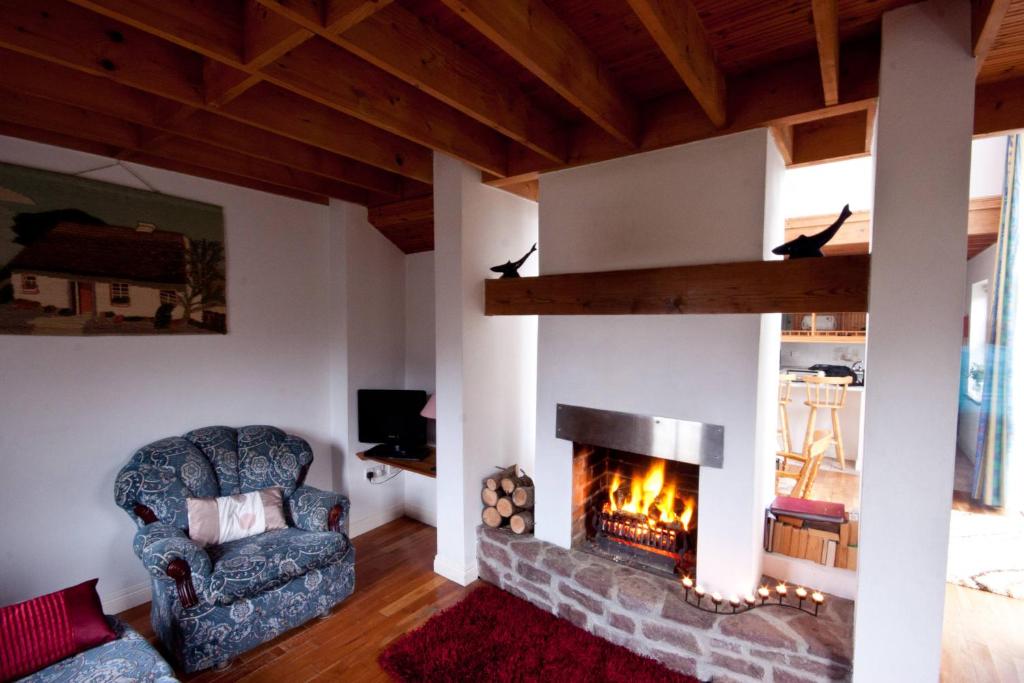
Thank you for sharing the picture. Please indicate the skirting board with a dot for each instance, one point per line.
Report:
(454, 571)
(361, 525)
(126, 598)
(801, 572)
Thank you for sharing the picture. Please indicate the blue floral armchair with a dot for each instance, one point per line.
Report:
(211, 604)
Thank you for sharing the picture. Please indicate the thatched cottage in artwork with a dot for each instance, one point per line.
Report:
(103, 269)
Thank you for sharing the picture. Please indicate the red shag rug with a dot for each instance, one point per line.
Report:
(494, 636)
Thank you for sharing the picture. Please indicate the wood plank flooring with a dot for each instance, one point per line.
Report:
(396, 590)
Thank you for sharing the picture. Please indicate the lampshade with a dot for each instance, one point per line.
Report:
(430, 410)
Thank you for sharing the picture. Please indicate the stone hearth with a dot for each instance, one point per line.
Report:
(645, 613)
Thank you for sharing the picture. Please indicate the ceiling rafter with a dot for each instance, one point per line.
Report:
(79, 39)
(326, 74)
(826, 33)
(532, 34)
(67, 141)
(398, 42)
(678, 31)
(25, 110)
(986, 18)
(60, 84)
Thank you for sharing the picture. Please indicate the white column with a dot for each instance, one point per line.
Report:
(922, 174)
(486, 367)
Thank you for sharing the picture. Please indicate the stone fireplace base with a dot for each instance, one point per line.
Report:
(645, 613)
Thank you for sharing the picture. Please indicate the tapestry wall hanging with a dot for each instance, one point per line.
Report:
(84, 257)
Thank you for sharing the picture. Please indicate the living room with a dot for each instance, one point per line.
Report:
(446, 339)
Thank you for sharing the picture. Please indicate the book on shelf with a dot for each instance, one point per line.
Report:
(808, 510)
(830, 553)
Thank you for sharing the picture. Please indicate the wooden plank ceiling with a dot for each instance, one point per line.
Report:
(348, 99)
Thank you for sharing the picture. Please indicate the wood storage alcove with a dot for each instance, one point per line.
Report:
(816, 285)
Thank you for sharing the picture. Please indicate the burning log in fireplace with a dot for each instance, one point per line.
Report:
(645, 521)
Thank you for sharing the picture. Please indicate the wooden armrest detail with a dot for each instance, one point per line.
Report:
(334, 518)
(144, 513)
(182, 574)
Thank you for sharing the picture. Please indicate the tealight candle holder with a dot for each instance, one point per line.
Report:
(758, 598)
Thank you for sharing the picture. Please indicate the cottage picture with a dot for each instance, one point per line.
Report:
(84, 257)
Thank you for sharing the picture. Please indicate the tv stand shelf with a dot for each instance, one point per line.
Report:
(427, 467)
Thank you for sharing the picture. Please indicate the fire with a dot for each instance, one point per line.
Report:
(652, 497)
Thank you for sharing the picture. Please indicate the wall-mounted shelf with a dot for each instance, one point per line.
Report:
(823, 285)
(427, 467)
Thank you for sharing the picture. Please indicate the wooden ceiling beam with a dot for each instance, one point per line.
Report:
(999, 107)
(831, 139)
(986, 18)
(826, 32)
(334, 78)
(268, 35)
(59, 84)
(398, 42)
(783, 137)
(786, 93)
(70, 142)
(94, 44)
(532, 34)
(678, 31)
(341, 15)
(25, 110)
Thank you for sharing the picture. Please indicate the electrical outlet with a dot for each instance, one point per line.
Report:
(375, 471)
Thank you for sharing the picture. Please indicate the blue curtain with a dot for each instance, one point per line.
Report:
(996, 424)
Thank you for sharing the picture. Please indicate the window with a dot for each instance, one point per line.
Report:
(119, 294)
(976, 338)
(29, 285)
(168, 296)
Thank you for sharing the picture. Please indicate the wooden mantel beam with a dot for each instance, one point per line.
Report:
(532, 34)
(826, 30)
(834, 284)
(678, 31)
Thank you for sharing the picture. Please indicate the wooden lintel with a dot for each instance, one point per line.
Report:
(834, 284)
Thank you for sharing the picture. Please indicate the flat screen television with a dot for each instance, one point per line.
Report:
(392, 416)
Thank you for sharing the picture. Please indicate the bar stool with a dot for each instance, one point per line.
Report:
(827, 393)
(785, 398)
(810, 461)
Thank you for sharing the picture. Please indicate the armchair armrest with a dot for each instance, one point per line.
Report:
(166, 550)
(316, 510)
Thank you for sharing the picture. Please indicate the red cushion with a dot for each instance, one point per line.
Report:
(38, 632)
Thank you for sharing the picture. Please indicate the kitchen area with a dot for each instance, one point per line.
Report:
(826, 345)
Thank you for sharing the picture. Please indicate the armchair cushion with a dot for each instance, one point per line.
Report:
(311, 507)
(250, 566)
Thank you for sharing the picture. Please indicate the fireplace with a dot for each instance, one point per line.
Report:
(636, 485)
(636, 509)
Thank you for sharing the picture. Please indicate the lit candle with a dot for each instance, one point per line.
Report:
(687, 582)
(734, 601)
(763, 592)
(817, 598)
(716, 598)
(801, 593)
(699, 590)
(781, 589)
(750, 600)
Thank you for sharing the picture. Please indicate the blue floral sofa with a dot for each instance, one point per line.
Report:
(129, 658)
(212, 604)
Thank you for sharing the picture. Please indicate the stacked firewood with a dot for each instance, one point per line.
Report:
(508, 500)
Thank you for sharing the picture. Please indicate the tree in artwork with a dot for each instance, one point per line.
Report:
(205, 286)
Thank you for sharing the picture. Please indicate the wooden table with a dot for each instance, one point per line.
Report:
(427, 467)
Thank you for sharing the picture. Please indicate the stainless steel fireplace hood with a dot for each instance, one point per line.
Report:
(662, 437)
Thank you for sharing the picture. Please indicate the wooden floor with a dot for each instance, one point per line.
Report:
(982, 637)
(396, 590)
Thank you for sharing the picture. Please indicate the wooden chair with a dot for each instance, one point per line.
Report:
(810, 461)
(827, 393)
(785, 398)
